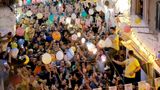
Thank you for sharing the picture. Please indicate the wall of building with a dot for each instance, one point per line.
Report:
(152, 15)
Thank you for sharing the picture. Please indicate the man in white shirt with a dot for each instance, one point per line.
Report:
(108, 15)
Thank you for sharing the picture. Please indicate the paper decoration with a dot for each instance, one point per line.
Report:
(127, 29)
(91, 12)
(157, 83)
(128, 87)
(39, 15)
(51, 17)
(14, 45)
(69, 54)
(49, 38)
(84, 14)
(19, 10)
(59, 55)
(14, 52)
(138, 21)
(26, 59)
(56, 35)
(24, 2)
(29, 13)
(73, 16)
(113, 88)
(29, 2)
(74, 37)
(46, 58)
(21, 41)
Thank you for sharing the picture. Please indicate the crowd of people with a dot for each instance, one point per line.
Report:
(86, 70)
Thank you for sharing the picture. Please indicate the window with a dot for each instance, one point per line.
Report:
(139, 8)
(158, 16)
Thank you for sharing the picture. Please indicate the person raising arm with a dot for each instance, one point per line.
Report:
(132, 66)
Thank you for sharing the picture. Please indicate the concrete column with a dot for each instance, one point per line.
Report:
(145, 10)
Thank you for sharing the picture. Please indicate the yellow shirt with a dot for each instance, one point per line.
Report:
(115, 41)
(131, 64)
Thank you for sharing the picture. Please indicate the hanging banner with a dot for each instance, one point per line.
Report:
(128, 87)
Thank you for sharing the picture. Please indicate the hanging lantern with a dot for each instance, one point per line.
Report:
(127, 29)
(26, 59)
(29, 13)
(59, 55)
(138, 21)
(91, 12)
(56, 35)
(46, 58)
(39, 15)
